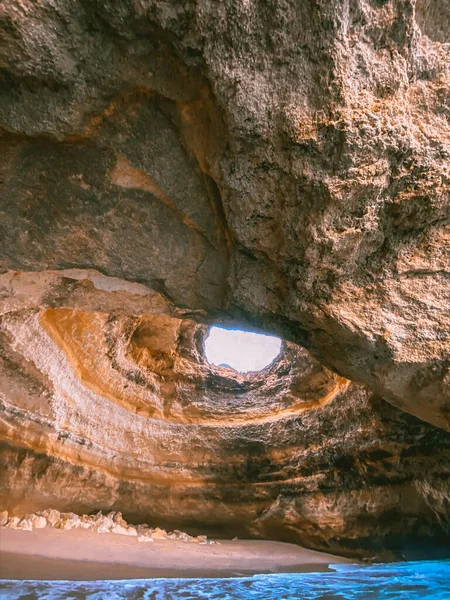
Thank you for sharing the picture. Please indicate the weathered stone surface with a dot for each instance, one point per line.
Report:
(52, 516)
(25, 524)
(68, 521)
(13, 522)
(119, 529)
(284, 165)
(114, 411)
(287, 164)
(37, 521)
(98, 523)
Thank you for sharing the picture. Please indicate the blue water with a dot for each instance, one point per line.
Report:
(424, 579)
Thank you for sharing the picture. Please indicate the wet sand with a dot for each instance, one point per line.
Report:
(83, 555)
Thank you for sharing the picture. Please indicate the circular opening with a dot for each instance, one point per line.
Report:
(240, 350)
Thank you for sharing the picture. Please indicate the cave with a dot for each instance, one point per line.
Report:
(169, 171)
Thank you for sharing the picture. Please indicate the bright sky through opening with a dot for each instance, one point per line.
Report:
(241, 350)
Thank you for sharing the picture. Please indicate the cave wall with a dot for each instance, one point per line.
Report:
(281, 165)
(119, 411)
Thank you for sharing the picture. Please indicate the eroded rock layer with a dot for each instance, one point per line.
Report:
(279, 164)
(107, 411)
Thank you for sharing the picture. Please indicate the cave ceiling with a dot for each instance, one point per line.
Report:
(277, 166)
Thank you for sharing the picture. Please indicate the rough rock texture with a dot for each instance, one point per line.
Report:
(282, 164)
(112, 411)
(113, 522)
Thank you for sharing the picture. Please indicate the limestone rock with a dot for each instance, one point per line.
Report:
(68, 521)
(119, 529)
(158, 534)
(13, 522)
(103, 524)
(53, 516)
(181, 535)
(98, 523)
(119, 520)
(282, 166)
(25, 524)
(37, 521)
(271, 163)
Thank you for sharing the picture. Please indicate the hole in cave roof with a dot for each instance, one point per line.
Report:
(240, 350)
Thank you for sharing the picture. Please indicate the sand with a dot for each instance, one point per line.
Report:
(84, 555)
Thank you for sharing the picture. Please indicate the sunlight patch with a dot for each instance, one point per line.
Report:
(242, 351)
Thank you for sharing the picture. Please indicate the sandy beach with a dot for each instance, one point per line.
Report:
(84, 555)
